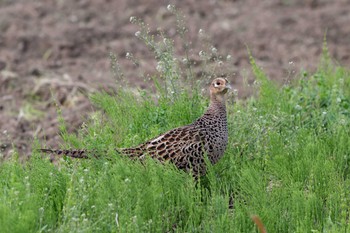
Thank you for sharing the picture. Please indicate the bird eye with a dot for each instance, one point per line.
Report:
(218, 83)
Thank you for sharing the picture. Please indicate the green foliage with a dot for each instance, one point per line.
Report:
(287, 161)
(32, 196)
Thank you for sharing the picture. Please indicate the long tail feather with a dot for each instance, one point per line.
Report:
(81, 154)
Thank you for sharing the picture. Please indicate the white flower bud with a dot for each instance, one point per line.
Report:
(298, 107)
(132, 19)
(128, 55)
(171, 8)
(160, 67)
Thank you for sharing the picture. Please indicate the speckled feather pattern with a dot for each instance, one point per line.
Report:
(185, 146)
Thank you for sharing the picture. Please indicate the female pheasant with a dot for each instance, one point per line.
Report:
(185, 146)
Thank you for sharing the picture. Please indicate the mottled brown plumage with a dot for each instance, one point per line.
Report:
(185, 146)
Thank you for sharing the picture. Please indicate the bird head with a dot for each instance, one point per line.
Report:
(219, 86)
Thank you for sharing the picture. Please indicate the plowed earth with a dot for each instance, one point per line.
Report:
(59, 50)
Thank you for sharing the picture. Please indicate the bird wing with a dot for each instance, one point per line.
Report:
(174, 145)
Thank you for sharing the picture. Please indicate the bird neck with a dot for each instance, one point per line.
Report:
(217, 104)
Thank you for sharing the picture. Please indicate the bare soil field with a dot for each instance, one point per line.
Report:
(58, 51)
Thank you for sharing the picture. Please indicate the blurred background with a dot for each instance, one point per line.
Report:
(58, 51)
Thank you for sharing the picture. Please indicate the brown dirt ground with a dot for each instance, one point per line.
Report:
(59, 49)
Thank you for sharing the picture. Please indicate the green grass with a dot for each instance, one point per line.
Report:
(287, 161)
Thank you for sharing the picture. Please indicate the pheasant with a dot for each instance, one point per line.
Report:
(185, 146)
